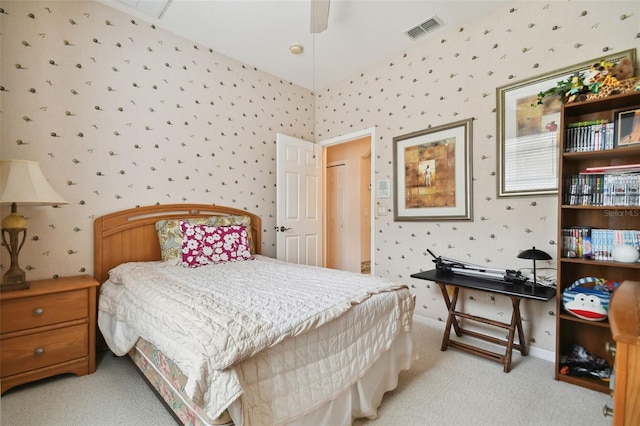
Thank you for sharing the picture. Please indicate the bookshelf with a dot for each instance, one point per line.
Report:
(589, 154)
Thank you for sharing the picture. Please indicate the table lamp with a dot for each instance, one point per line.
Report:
(534, 254)
(21, 182)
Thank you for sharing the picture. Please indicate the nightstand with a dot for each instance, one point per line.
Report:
(48, 329)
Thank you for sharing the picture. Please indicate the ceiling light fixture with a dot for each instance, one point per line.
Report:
(296, 48)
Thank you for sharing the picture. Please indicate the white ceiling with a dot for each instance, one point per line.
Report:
(360, 33)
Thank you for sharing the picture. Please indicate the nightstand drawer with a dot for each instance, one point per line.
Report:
(30, 312)
(33, 351)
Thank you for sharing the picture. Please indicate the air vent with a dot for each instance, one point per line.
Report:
(423, 28)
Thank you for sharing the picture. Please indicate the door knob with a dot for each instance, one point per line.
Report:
(281, 229)
(610, 348)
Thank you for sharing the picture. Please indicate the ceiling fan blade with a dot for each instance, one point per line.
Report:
(319, 15)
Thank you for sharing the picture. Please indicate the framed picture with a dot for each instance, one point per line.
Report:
(432, 170)
(528, 135)
(627, 128)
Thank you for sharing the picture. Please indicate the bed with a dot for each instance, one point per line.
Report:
(245, 340)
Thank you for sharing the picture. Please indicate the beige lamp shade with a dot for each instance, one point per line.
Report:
(22, 182)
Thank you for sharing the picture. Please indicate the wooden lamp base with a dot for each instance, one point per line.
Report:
(14, 278)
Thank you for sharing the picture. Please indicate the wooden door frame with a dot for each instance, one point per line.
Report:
(371, 133)
(325, 215)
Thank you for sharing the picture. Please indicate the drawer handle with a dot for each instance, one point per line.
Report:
(38, 351)
(607, 411)
(38, 311)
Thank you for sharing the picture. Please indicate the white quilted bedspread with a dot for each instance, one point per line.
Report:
(211, 318)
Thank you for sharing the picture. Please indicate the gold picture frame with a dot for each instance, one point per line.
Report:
(432, 174)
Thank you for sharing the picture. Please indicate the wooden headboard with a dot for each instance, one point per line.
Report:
(130, 235)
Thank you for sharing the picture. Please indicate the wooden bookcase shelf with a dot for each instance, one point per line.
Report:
(570, 317)
(594, 336)
(600, 155)
(601, 263)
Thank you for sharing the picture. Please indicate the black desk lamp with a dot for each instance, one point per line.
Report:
(534, 254)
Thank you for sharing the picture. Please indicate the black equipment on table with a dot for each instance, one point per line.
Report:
(445, 264)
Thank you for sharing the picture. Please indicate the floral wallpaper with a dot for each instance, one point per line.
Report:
(122, 113)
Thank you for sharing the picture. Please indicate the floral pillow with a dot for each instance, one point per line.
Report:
(170, 235)
(206, 244)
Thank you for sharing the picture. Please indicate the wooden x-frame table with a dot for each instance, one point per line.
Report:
(516, 292)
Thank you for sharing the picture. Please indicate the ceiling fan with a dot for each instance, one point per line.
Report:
(319, 15)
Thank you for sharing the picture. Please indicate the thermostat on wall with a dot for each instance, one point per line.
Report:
(383, 188)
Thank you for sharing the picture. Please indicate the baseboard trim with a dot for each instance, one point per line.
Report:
(533, 351)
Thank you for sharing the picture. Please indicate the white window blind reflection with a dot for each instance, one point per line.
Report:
(531, 162)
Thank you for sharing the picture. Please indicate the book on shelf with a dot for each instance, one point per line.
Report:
(604, 186)
(596, 244)
(586, 136)
(622, 168)
(584, 190)
(576, 241)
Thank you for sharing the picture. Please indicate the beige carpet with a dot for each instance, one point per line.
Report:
(459, 389)
(442, 388)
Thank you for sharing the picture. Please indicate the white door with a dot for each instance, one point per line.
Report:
(336, 238)
(298, 201)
